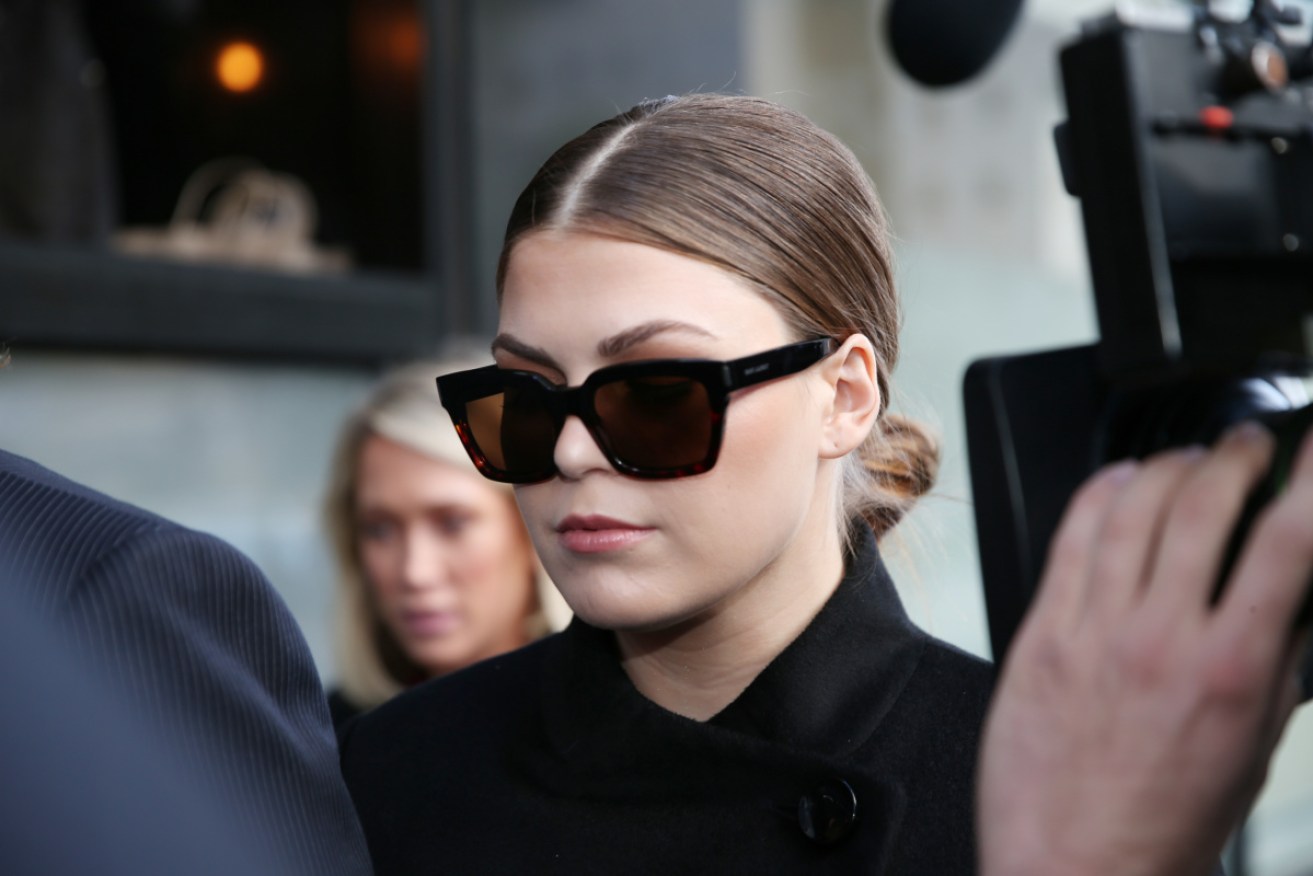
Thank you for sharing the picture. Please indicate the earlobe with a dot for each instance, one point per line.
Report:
(852, 373)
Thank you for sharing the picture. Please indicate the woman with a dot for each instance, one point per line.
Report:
(697, 330)
(435, 568)
(731, 697)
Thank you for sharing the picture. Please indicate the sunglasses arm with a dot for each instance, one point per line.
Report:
(751, 370)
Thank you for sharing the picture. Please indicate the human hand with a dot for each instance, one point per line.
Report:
(1135, 719)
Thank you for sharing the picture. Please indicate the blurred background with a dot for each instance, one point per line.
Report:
(219, 219)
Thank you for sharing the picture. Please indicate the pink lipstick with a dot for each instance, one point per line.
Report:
(595, 534)
(425, 624)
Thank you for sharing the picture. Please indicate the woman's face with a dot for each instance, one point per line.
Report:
(644, 555)
(445, 555)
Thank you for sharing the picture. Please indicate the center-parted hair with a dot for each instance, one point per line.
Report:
(759, 191)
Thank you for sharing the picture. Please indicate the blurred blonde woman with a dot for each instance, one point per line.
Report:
(435, 568)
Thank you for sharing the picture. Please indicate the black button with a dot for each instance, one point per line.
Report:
(826, 813)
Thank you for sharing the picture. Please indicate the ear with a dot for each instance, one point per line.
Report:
(854, 401)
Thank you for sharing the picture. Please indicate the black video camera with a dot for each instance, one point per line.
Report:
(1190, 146)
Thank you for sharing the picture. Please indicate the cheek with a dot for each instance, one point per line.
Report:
(496, 562)
(379, 563)
(770, 450)
(533, 503)
(761, 487)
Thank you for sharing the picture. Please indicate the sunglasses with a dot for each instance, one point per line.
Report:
(662, 418)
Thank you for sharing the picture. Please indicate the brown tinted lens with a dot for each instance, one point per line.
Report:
(484, 417)
(656, 422)
(513, 429)
(528, 430)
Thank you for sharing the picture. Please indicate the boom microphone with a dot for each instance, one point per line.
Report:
(944, 42)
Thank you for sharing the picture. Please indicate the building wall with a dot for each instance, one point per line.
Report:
(238, 450)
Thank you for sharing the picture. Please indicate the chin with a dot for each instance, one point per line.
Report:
(440, 664)
(624, 613)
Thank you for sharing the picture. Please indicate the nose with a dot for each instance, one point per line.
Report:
(426, 562)
(577, 452)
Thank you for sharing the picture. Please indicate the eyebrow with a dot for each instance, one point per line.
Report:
(517, 347)
(632, 337)
(607, 347)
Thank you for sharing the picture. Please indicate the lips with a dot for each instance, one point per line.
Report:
(430, 623)
(594, 533)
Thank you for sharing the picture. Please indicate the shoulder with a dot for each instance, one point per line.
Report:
(486, 697)
(32, 487)
(54, 531)
(60, 537)
(447, 751)
(189, 635)
(950, 689)
(931, 741)
(448, 731)
(933, 733)
(956, 672)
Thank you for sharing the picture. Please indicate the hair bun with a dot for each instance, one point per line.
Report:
(902, 458)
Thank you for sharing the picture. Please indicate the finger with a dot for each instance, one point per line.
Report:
(1271, 579)
(1200, 522)
(1067, 572)
(1131, 532)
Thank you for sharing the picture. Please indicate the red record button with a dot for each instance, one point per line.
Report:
(1216, 118)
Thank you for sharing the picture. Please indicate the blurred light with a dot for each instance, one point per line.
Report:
(240, 67)
(406, 43)
(391, 43)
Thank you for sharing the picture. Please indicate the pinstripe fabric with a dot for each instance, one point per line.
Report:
(189, 634)
(86, 786)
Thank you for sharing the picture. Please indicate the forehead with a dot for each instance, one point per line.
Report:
(392, 473)
(577, 289)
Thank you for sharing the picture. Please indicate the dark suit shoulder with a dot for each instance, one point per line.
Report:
(64, 537)
(27, 482)
(55, 531)
(190, 635)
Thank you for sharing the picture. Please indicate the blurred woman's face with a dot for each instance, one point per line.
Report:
(445, 555)
(633, 554)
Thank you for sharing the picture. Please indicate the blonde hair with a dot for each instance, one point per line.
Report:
(403, 407)
(757, 190)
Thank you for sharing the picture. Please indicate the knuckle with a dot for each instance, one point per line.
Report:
(1170, 466)
(1084, 515)
(1289, 527)
(1124, 527)
(1234, 675)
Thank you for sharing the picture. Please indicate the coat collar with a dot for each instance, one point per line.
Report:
(826, 692)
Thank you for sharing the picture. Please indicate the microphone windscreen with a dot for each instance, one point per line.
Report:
(944, 42)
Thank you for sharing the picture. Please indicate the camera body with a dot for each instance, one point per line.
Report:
(1190, 145)
(1192, 154)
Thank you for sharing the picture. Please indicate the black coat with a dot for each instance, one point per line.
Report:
(186, 634)
(548, 760)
